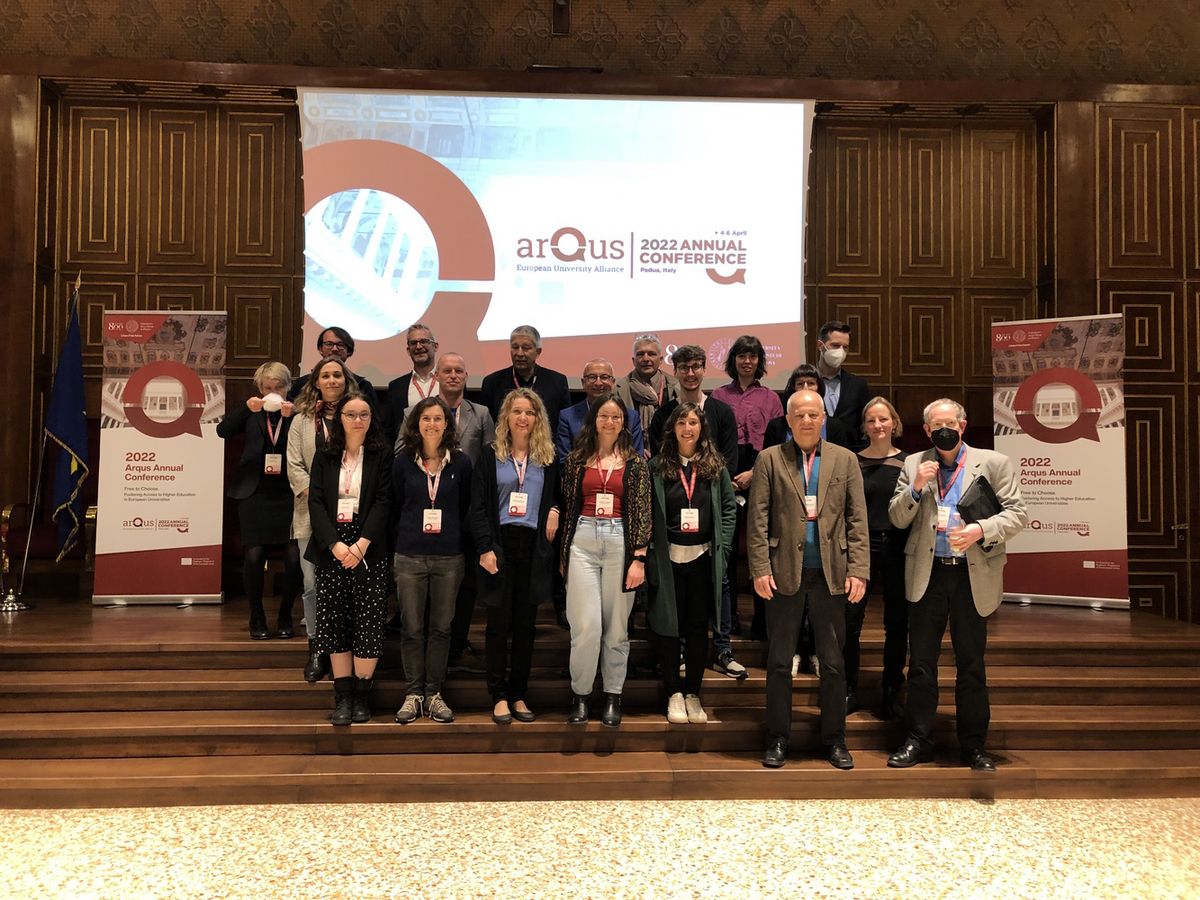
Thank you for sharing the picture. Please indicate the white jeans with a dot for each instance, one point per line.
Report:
(597, 605)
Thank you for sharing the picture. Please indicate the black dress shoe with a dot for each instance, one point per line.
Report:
(259, 630)
(612, 710)
(839, 757)
(521, 715)
(776, 754)
(578, 714)
(978, 761)
(502, 718)
(889, 709)
(284, 630)
(910, 753)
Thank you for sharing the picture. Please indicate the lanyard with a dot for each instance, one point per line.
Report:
(432, 482)
(809, 459)
(689, 487)
(433, 386)
(355, 464)
(273, 436)
(521, 469)
(943, 491)
(604, 476)
(517, 384)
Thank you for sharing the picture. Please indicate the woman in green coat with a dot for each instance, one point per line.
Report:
(694, 517)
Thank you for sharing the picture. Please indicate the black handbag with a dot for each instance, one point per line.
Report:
(978, 501)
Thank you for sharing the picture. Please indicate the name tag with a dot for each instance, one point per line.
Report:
(605, 504)
(518, 503)
(689, 520)
(943, 520)
(431, 521)
(347, 507)
(272, 463)
(810, 506)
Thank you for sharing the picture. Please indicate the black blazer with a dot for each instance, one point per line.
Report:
(374, 505)
(484, 521)
(851, 402)
(397, 402)
(722, 428)
(551, 386)
(257, 445)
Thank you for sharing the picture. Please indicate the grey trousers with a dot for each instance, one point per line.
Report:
(598, 606)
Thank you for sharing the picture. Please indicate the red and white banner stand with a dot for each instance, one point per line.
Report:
(1059, 412)
(158, 528)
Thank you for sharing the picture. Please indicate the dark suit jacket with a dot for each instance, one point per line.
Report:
(257, 445)
(374, 505)
(367, 389)
(853, 398)
(551, 386)
(570, 423)
(776, 523)
(484, 522)
(722, 427)
(397, 402)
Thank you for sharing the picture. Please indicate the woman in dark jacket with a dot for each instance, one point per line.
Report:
(694, 519)
(349, 501)
(513, 521)
(264, 496)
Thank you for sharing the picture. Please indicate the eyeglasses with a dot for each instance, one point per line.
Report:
(590, 378)
(332, 345)
(605, 417)
(690, 367)
(421, 342)
(357, 417)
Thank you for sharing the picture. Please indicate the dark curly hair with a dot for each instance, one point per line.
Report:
(411, 443)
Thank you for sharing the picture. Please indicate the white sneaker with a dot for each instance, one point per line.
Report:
(795, 664)
(677, 713)
(816, 665)
(695, 712)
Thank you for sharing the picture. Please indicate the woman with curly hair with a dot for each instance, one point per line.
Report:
(513, 521)
(694, 518)
(431, 484)
(606, 506)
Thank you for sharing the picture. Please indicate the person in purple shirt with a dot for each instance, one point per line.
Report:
(754, 406)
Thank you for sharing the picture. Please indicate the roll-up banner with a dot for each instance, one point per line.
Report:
(1059, 413)
(158, 528)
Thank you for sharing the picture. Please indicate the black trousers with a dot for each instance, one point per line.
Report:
(828, 615)
(464, 603)
(948, 597)
(514, 616)
(693, 606)
(887, 572)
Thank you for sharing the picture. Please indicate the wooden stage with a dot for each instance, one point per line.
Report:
(146, 706)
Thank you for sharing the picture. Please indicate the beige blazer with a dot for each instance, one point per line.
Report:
(302, 447)
(776, 519)
(986, 558)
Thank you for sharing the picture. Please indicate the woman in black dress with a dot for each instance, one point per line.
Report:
(264, 496)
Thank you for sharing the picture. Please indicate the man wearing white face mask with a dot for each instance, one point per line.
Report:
(846, 394)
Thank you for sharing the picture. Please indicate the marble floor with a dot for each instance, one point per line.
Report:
(733, 849)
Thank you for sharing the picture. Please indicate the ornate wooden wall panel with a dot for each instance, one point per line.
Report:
(259, 323)
(927, 193)
(261, 204)
(1155, 339)
(999, 205)
(100, 185)
(981, 307)
(176, 292)
(1191, 190)
(1141, 232)
(850, 175)
(175, 221)
(930, 346)
(867, 312)
(1157, 475)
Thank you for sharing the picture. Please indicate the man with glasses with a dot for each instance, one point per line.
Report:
(597, 379)
(413, 387)
(331, 342)
(524, 347)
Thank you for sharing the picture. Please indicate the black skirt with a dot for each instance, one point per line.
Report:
(265, 517)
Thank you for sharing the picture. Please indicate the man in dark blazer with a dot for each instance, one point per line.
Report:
(524, 347)
(809, 544)
(597, 379)
(953, 572)
(846, 394)
(411, 387)
(335, 341)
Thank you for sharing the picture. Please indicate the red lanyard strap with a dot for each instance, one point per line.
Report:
(273, 434)
(521, 468)
(433, 482)
(943, 491)
(809, 460)
(689, 487)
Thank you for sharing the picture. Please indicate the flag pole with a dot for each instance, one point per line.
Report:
(13, 602)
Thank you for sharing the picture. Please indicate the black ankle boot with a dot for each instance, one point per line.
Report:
(578, 714)
(343, 701)
(258, 622)
(361, 710)
(612, 710)
(284, 629)
(318, 664)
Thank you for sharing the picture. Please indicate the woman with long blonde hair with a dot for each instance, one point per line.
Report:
(514, 521)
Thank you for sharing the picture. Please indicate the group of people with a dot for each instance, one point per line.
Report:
(641, 491)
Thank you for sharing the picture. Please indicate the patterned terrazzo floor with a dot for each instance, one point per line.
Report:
(862, 848)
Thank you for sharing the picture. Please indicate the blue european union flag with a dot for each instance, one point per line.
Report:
(66, 428)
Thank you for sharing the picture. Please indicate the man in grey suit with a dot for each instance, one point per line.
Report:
(953, 571)
(809, 543)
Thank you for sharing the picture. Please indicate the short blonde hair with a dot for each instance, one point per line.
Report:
(897, 425)
(274, 370)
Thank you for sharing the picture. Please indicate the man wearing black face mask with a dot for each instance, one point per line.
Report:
(953, 571)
